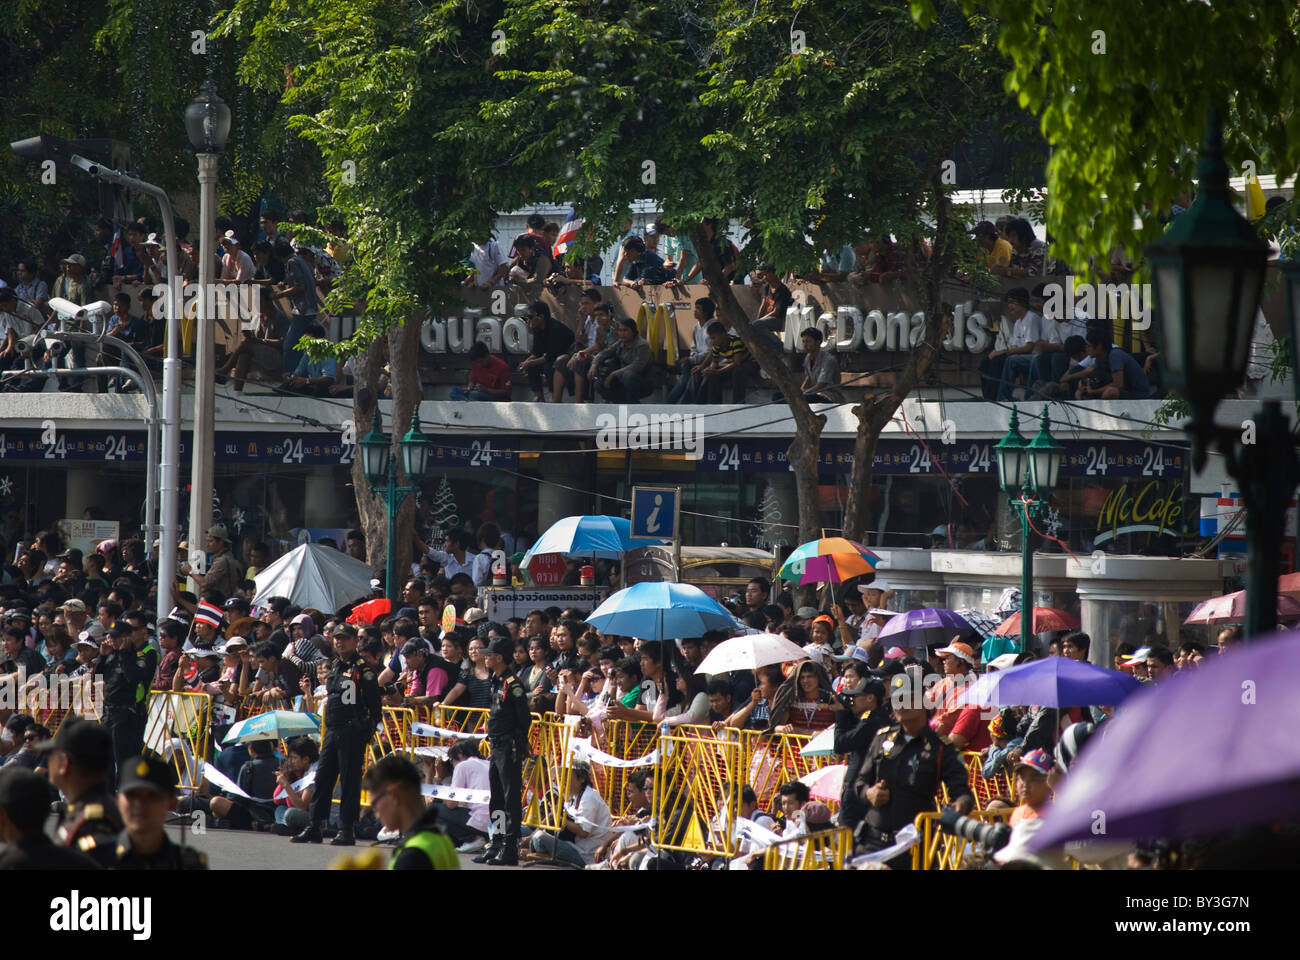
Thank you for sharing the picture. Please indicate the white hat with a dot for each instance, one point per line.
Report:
(230, 236)
(818, 652)
(84, 639)
(1141, 656)
(881, 612)
(475, 614)
(805, 613)
(1004, 661)
(876, 584)
(152, 241)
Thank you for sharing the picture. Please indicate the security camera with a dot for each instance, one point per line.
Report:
(82, 163)
(55, 347)
(25, 345)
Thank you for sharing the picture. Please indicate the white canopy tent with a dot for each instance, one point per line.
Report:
(311, 575)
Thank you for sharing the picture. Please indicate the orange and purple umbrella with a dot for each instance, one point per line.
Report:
(828, 560)
(1045, 619)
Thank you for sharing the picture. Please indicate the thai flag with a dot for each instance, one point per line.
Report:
(115, 251)
(209, 614)
(567, 232)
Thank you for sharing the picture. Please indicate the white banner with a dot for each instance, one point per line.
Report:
(439, 752)
(905, 839)
(760, 837)
(585, 751)
(219, 780)
(429, 730)
(458, 794)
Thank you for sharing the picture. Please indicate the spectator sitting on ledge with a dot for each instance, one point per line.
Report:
(489, 377)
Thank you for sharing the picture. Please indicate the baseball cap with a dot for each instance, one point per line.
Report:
(895, 653)
(74, 606)
(503, 647)
(120, 628)
(148, 774)
(235, 642)
(818, 652)
(75, 258)
(940, 531)
(219, 531)
(963, 651)
(1039, 760)
(72, 553)
(816, 812)
(94, 631)
(855, 653)
(88, 744)
(806, 613)
(876, 584)
(475, 614)
(1141, 656)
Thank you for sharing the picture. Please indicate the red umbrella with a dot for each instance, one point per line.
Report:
(1231, 608)
(1045, 619)
(370, 611)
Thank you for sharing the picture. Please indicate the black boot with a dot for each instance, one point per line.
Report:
(344, 838)
(508, 855)
(310, 834)
(490, 852)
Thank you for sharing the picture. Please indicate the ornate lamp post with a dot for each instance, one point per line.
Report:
(380, 467)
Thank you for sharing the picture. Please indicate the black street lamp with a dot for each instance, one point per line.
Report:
(1028, 473)
(380, 468)
(1208, 272)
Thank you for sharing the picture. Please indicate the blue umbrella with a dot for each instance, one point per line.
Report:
(273, 725)
(1054, 682)
(660, 611)
(595, 536)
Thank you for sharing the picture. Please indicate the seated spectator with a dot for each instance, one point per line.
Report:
(466, 823)
(586, 822)
(27, 755)
(821, 371)
(314, 377)
(622, 370)
(292, 803)
(1118, 375)
(1028, 253)
(530, 254)
(729, 364)
(489, 376)
(776, 299)
(261, 349)
(571, 369)
(551, 340)
(689, 382)
(1031, 785)
(646, 266)
(794, 797)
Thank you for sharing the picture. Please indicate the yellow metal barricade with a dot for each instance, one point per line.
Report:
(546, 776)
(50, 705)
(178, 729)
(394, 737)
(775, 759)
(936, 850)
(627, 740)
(697, 793)
(463, 719)
(823, 850)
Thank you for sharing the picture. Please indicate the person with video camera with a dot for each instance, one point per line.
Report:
(903, 770)
(859, 714)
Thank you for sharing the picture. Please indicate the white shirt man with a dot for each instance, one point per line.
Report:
(591, 812)
(487, 259)
(472, 774)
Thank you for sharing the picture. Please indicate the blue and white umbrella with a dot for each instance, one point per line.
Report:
(607, 538)
(273, 725)
(661, 611)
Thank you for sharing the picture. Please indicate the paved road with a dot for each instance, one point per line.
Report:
(246, 850)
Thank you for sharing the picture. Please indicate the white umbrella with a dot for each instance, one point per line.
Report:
(750, 652)
(314, 576)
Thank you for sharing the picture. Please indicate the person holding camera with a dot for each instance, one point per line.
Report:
(859, 715)
(903, 770)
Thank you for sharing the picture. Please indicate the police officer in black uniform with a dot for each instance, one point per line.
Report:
(24, 805)
(352, 711)
(860, 712)
(146, 797)
(80, 761)
(903, 769)
(127, 671)
(508, 723)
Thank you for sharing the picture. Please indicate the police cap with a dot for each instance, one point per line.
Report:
(88, 744)
(149, 774)
(504, 647)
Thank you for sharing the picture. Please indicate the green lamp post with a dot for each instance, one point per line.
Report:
(380, 467)
(1208, 271)
(1028, 474)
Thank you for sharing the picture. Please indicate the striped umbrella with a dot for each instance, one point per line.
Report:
(828, 560)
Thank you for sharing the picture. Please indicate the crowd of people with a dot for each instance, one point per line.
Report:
(75, 617)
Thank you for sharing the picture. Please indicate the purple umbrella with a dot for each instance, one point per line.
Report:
(1211, 749)
(1054, 682)
(926, 627)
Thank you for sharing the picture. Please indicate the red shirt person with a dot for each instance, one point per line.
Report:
(489, 377)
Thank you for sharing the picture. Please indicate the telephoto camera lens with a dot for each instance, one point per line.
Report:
(991, 836)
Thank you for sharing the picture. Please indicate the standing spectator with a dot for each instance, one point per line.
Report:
(489, 377)
(236, 265)
(821, 371)
(30, 288)
(300, 287)
(223, 573)
(777, 298)
(10, 328)
(551, 340)
(530, 254)
(623, 368)
(677, 251)
(267, 270)
(488, 265)
(856, 727)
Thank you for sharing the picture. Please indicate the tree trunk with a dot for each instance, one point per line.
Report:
(803, 450)
(400, 349)
(875, 412)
